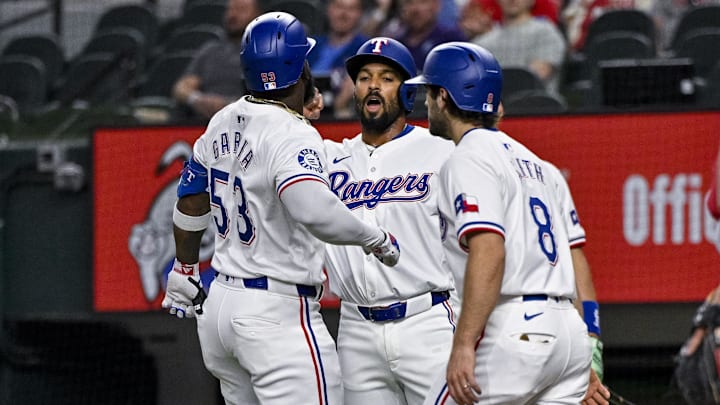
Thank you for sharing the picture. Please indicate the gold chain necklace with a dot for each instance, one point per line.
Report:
(280, 104)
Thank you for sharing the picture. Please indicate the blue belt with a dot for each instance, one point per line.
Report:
(397, 310)
(261, 283)
(542, 297)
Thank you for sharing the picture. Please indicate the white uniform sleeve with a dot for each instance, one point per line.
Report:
(312, 204)
(576, 232)
(478, 200)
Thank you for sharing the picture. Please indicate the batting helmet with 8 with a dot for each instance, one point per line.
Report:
(391, 52)
(470, 74)
(273, 52)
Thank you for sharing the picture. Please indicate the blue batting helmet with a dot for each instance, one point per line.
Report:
(273, 52)
(390, 52)
(470, 74)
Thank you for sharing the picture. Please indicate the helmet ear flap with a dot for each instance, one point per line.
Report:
(407, 96)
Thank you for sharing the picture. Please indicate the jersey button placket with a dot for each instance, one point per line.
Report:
(369, 216)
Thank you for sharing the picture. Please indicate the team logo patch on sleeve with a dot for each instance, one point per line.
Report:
(310, 160)
(574, 217)
(465, 203)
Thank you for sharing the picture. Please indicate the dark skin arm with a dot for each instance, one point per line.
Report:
(187, 243)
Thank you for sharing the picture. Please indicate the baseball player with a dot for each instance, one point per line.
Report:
(519, 338)
(395, 326)
(586, 304)
(259, 172)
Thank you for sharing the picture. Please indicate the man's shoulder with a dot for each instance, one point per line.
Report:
(345, 144)
(423, 135)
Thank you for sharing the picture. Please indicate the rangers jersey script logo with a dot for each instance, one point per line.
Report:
(310, 160)
(354, 194)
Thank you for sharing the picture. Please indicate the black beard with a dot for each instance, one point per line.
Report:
(309, 89)
(380, 123)
(438, 128)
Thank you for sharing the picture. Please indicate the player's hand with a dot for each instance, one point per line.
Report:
(461, 382)
(388, 251)
(597, 393)
(597, 356)
(184, 294)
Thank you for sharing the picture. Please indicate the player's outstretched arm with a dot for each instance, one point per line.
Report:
(589, 308)
(312, 204)
(184, 294)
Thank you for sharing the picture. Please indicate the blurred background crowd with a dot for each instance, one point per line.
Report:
(160, 61)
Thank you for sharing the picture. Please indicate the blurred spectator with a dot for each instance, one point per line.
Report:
(449, 14)
(379, 16)
(522, 40)
(385, 11)
(667, 13)
(327, 59)
(417, 27)
(342, 39)
(549, 9)
(477, 18)
(215, 76)
(579, 14)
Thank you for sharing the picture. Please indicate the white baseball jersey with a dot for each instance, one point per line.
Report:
(534, 347)
(254, 149)
(395, 187)
(576, 232)
(253, 152)
(494, 183)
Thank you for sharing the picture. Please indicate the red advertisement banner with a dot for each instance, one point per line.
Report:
(638, 181)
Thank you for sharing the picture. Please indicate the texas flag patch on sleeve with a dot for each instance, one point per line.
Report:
(465, 203)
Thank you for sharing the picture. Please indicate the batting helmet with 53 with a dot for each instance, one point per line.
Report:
(273, 52)
(390, 52)
(470, 74)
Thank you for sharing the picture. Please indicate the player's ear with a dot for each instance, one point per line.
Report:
(442, 98)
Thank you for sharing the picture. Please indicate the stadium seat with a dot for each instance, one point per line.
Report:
(191, 3)
(622, 20)
(191, 38)
(96, 78)
(533, 102)
(45, 47)
(711, 91)
(702, 45)
(160, 78)
(203, 13)
(517, 79)
(126, 42)
(693, 19)
(619, 45)
(23, 79)
(135, 16)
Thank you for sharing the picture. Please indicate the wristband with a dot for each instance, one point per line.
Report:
(190, 223)
(591, 316)
(186, 269)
